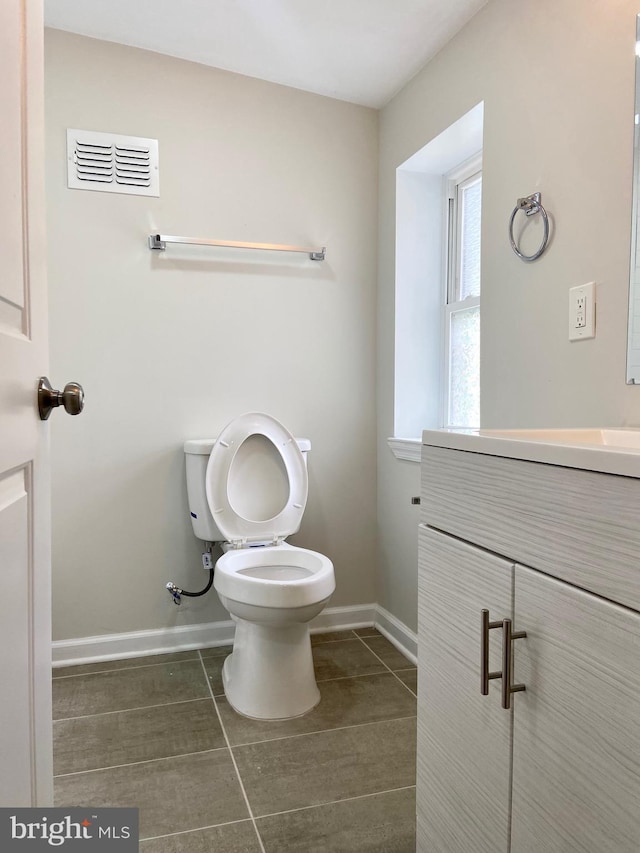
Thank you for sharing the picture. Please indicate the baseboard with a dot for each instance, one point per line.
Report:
(186, 637)
(344, 618)
(141, 643)
(396, 632)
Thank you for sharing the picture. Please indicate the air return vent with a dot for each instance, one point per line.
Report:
(108, 162)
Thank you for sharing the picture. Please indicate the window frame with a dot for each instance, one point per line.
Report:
(455, 182)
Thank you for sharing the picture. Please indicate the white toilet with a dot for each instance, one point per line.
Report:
(248, 490)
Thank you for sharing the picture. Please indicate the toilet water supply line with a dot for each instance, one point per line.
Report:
(207, 561)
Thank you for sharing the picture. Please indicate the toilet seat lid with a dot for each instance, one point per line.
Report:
(256, 480)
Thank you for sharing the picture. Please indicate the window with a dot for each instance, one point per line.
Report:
(461, 313)
(437, 279)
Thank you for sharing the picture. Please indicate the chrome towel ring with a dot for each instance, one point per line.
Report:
(531, 205)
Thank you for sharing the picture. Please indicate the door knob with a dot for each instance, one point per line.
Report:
(72, 398)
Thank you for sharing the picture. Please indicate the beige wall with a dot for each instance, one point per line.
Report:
(556, 78)
(174, 347)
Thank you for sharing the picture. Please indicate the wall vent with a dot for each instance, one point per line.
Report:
(108, 162)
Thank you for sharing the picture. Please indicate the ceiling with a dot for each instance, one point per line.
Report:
(362, 51)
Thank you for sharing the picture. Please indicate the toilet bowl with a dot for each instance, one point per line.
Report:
(255, 489)
(273, 592)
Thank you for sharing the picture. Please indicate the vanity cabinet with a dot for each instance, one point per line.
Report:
(560, 770)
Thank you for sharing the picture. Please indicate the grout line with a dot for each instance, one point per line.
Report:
(233, 758)
(324, 731)
(134, 763)
(125, 710)
(382, 671)
(334, 802)
(406, 686)
(124, 668)
(326, 642)
(277, 814)
(197, 829)
(349, 635)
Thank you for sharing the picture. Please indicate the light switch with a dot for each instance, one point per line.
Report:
(582, 312)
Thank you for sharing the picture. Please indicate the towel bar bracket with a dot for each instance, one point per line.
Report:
(156, 243)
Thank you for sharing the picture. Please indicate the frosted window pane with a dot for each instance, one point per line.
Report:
(470, 241)
(464, 378)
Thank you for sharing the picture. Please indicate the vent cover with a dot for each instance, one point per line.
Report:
(108, 162)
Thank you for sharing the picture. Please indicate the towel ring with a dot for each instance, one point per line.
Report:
(531, 205)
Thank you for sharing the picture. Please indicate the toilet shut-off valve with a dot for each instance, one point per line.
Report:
(208, 563)
(175, 592)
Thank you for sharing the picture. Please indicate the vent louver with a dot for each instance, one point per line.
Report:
(107, 162)
(132, 166)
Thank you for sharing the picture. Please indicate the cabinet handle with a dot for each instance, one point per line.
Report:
(507, 664)
(485, 675)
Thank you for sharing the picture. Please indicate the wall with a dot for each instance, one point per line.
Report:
(174, 346)
(556, 78)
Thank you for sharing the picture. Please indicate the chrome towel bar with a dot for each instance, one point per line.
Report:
(159, 242)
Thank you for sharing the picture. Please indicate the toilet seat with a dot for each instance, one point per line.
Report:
(225, 467)
(278, 576)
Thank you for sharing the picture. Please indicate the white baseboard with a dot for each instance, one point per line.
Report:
(344, 618)
(396, 632)
(140, 643)
(186, 637)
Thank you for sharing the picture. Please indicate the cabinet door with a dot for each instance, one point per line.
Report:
(464, 738)
(576, 743)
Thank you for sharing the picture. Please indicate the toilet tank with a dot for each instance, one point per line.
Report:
(197, 452)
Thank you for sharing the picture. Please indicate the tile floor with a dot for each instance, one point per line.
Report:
(158, 733)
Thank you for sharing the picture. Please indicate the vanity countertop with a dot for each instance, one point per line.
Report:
(608, 450)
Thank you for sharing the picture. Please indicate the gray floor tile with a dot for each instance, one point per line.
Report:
(319, 768)
(173, 794)
(125, 737)
(330, 637)
(216, 651)
(126, 663)
(213, 667)
(341, 659)
(383, 823)
(367, 632)
(128, 688)
(344, 702)
(387, 652)
(410, 678)
(231, 838)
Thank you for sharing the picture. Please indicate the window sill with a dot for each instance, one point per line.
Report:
(406, 448)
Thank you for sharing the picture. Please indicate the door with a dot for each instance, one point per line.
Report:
(25, 632)
(576, 740)
(464, 738)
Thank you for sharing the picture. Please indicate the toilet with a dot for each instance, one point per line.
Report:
(247, 490)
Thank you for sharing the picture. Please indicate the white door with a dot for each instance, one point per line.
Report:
(25, 605)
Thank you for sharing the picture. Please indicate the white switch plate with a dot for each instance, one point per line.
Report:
(582, 312)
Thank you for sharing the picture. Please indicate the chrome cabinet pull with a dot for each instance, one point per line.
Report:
(507, 663)
(485, 675)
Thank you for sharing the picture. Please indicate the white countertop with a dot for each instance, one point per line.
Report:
(609, 450)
